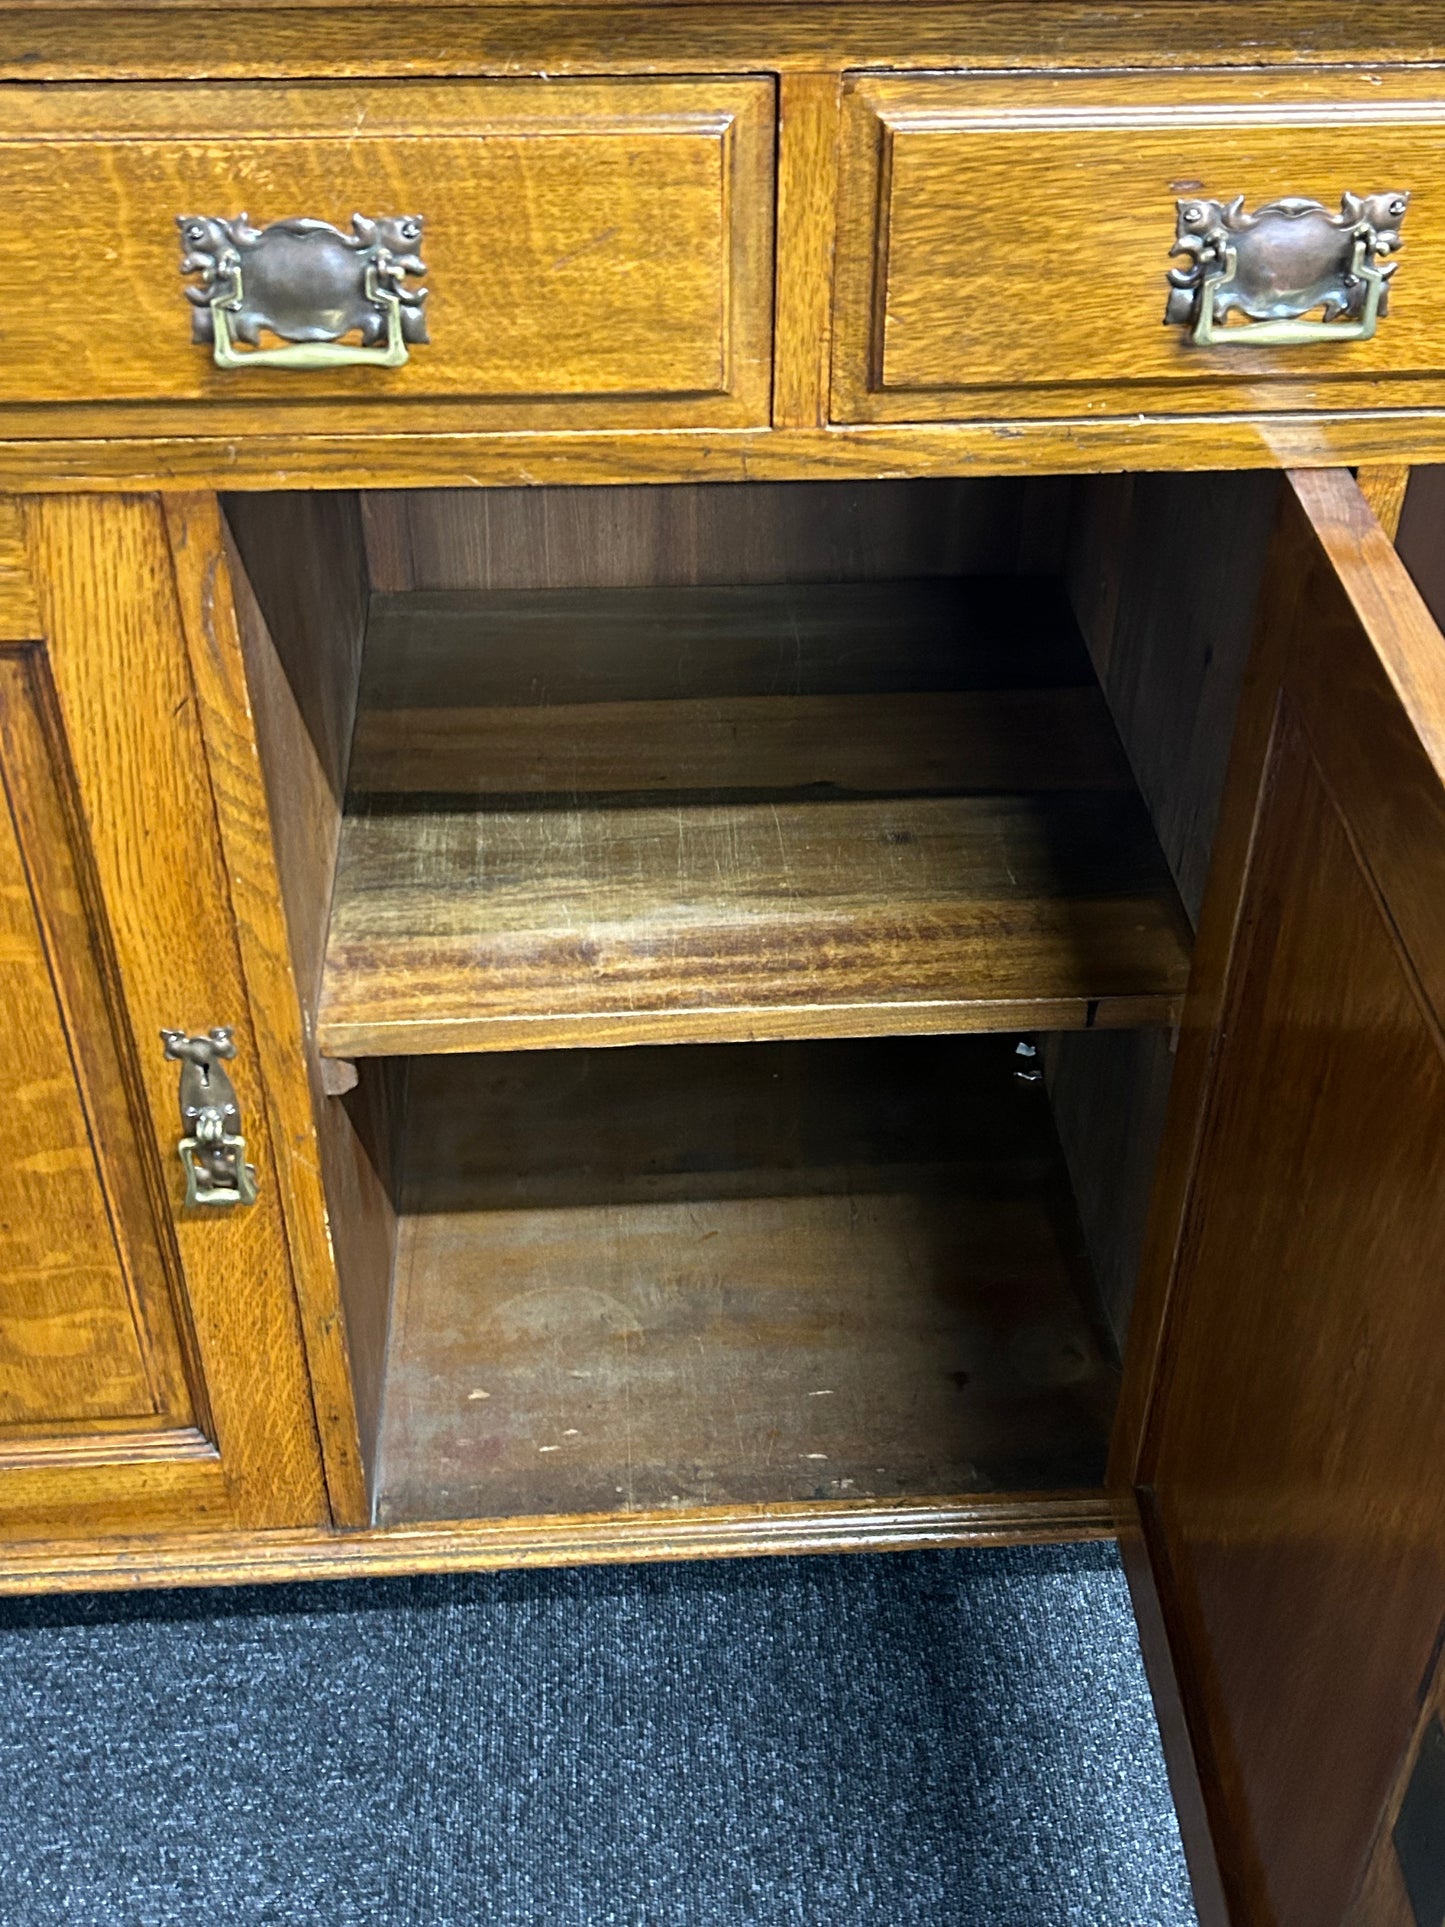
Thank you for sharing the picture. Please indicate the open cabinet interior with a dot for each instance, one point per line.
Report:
(741, 931)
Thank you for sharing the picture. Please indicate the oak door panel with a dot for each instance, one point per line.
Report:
(597, 251)
(1003, 244)
(87, 1325)
(1291, 1463)
(151, 1371)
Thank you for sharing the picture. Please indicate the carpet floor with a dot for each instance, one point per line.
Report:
(952, 1739)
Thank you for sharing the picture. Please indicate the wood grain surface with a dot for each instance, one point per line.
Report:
(649, 1278)
(125, 709)
(868, 848)
(939, 314)
(64, 450)
(369, 39)
(1289, 1464)
(630, 281)
(229, 1557)
(262, 843)
(88, 1327)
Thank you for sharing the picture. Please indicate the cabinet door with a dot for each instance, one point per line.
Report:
(151, 1370)
(1291, 1468)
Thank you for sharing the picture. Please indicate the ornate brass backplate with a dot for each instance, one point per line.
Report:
(308, 283)
(1281, 263)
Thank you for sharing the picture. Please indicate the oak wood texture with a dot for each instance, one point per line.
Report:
(311, 1173)
(598, 251)
(19, 611)
(225, 1557)
(1288, 1463)
(367, 39)
(940, 314)
(88, 1319)
(731, 1276)
(123, 743)
(62, 451)
(574, 819)
(1384, 486)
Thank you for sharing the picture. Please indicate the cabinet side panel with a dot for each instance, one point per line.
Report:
(1164, 574)
(299, 584)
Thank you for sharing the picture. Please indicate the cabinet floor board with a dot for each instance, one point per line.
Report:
(736, 1275)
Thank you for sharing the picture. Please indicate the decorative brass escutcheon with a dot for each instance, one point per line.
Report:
(213, 1151)
(308, 283)
(1277, 265)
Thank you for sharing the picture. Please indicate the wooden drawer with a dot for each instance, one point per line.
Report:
(597, 251)
(1004, 243)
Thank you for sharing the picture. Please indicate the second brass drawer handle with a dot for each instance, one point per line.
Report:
(310, 284)
(1280, 263)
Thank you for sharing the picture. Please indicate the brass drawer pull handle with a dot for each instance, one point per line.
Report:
(213, 1151)
(1274, 266)
(310, 284)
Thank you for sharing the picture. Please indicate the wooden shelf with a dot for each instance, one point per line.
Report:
(720, 815)
(732, 1276)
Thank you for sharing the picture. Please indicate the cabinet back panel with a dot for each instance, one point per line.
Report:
(628, 537)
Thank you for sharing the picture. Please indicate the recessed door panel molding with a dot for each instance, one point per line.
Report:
(88, 1329)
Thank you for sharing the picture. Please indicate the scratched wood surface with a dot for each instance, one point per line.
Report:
(576, 818)
(664, 1277)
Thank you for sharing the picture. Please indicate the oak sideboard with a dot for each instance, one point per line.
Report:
(723, 741)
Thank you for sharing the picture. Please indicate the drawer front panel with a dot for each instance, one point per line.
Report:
(598, 249)
(1004, 245)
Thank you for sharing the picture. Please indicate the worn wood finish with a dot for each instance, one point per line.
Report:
(225, 1558)
(1289, 1462)
(61, 451)
(125, 707)
(651, 1278)
(882, 850)
(92, 39)
(634, 286)
(693, 534)
(938, 316)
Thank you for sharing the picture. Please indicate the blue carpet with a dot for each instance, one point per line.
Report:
(956, 1739)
